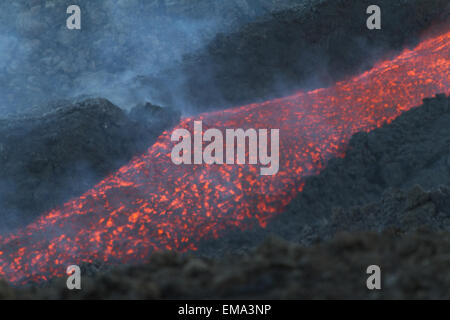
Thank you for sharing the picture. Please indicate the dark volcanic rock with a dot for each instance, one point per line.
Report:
(416, 144)
(370, 220)
(152, 120)
(153, 117)
(413, 149)
(405, 233)
(311, 45)
(397, 210)
(46, 159)
(410, 268)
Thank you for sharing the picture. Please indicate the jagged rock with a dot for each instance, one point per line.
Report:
(50, 157)
(311, 45)
(351, 195)
(279, 270)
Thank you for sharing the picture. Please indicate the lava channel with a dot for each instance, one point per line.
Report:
(152, 204)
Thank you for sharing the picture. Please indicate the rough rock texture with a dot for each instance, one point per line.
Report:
(406, 232)
(413, 149)
(60, 151)
(403, 211)
(311, 45)
(371, 194)
(414, 266)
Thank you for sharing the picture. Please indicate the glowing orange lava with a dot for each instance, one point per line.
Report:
(151, 204)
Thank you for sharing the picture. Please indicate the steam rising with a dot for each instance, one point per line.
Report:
(41, 60)
(152, 204)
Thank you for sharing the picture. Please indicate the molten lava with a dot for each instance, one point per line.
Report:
(152, 204)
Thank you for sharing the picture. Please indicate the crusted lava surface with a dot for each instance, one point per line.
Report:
(151, 204)
(406, 231)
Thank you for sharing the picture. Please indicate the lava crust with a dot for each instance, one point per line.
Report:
(151, 204)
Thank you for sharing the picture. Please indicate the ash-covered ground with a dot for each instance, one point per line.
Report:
(400, 226)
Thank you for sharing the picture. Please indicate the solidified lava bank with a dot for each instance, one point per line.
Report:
(151, 204)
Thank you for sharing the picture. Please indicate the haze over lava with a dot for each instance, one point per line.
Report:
(152, 204)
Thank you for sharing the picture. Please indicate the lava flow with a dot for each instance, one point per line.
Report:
(152, 204)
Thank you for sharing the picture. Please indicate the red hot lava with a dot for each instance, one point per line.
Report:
(151, 204)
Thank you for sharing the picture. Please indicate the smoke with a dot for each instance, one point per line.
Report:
(145, 54)
(163, 52)
(119, 43)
